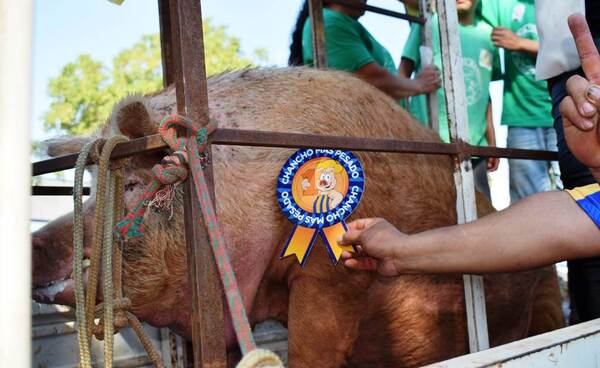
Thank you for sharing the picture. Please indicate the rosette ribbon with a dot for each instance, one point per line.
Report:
(326, 219)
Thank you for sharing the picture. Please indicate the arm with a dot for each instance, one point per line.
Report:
(398, 86)
(521, 237)
(406, 68)
(538, 230)
(490, 134)
(504, 37)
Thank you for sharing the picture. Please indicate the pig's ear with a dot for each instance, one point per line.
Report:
(133, 118)
(61, 146)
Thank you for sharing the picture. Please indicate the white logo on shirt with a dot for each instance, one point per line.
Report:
(485, 59)
(473, 88)
(524, 62)
(518, 12)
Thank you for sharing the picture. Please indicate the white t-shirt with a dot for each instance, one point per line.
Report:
(557, 48)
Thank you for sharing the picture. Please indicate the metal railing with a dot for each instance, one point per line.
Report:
(183, 55)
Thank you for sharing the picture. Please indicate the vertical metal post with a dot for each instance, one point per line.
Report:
(15, 250)
(315, 8)
(427, 8)
(192, 100)
(463, 175)
(166, 46)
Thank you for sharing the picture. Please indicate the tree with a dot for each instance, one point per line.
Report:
(84, 93)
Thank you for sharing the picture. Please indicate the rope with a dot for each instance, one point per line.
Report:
(172, 170)
(114, 311)
(85, 359)
(260, 358)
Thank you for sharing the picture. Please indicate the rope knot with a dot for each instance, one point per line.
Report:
(172, 169)
(120, 317)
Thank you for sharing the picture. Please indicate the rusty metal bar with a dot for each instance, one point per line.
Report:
(166, 48)
(315, 9)
(239, 137)
(146, 144)
(55, 191)
(374, 9)
(192, 101)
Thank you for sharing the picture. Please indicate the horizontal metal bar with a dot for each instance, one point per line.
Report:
(382, 11)
(239, 137)
(39, 190)
(133, 147)
(512, 153)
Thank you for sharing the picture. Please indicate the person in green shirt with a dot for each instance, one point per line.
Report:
(350, 47)
(480, 65)
(527, 105)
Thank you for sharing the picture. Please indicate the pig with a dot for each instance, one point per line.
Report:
(335, 317)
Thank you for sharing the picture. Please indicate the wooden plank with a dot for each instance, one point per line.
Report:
(192, 101)
(315, 9)
(463, 176)
(427, 10)
(575, 346)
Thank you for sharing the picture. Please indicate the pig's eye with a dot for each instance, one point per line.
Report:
(131, 185)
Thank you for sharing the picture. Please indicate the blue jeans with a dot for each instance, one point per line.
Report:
(480, 177)
(528, 177)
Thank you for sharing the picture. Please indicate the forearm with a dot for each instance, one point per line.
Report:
(490, 134)
(539, 230)
(395, 86)
(529, 46)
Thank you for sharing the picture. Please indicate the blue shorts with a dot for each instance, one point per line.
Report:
(588, 198)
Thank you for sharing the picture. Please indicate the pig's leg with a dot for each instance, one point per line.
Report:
(323, 321)
(546, 314)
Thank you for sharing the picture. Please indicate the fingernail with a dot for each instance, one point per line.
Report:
(587, 124)
(340, 239)
(593, 93)
(588, 108)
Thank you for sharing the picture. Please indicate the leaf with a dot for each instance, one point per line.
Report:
(84, 93)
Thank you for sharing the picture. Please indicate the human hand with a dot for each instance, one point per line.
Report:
(492, 164)
(376, 241)
(428, 80)
(505, 38)
(579, 109)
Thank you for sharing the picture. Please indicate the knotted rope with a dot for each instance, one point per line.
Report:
(102, 245)
(171, 170)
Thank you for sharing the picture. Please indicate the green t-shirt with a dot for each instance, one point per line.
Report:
(527, 102)
(481, 64)
(348, 44)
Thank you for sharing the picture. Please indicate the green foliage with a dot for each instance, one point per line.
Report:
(84, 93)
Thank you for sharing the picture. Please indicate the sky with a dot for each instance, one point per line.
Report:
(64, 29)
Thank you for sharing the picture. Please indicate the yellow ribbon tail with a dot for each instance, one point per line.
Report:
(331, 235)
(300, 243)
